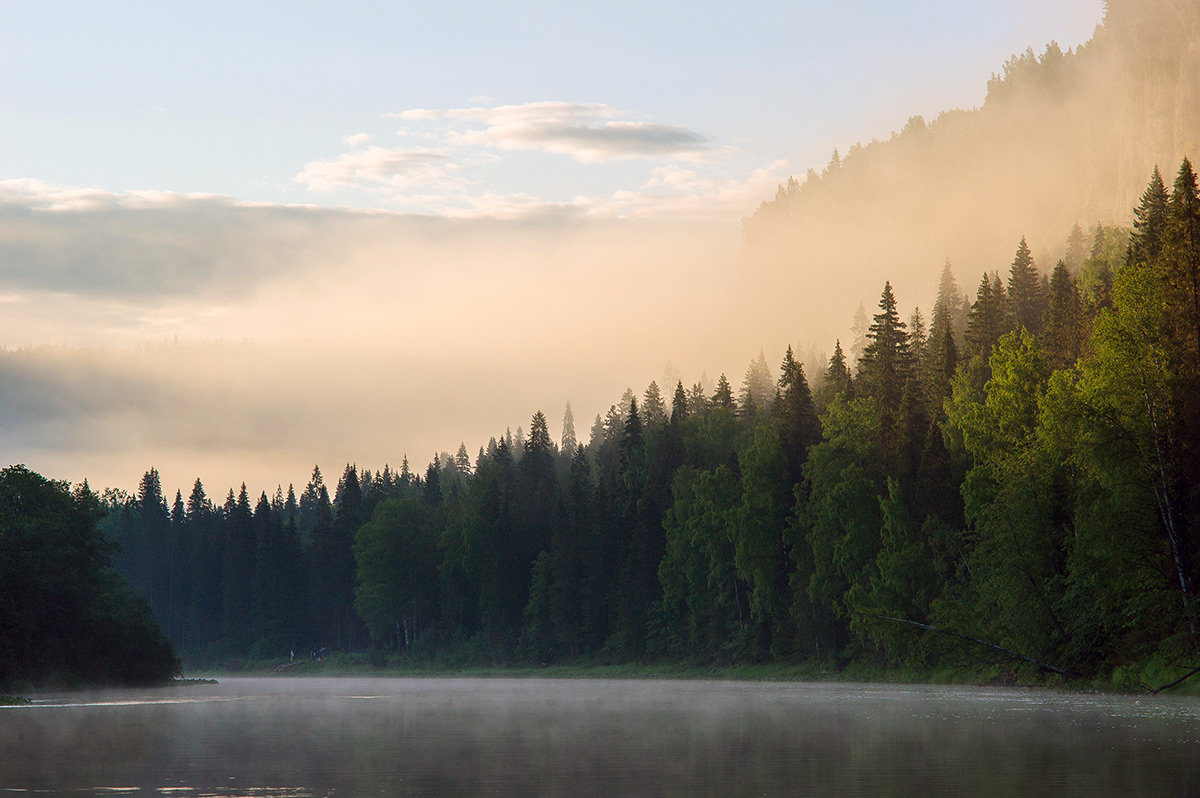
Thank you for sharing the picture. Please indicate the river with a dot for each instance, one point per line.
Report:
(449, 736)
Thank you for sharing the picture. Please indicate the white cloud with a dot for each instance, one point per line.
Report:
(395, 168)
(40, 195)
(357, 138)
(589, 132)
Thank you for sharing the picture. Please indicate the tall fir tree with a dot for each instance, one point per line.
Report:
(723, 395)
(1076, 250)
(1025, 290)
(1150, 222)
(569, 441)
(1183, 267)
(941, 358)
(758, 389)
(654, 409)
(957, 306)
(679, 404)
(798, 425)
(838, 381)
(989, 318)
(1062, 330)
(887, 359)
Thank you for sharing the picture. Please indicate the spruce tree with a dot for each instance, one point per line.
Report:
(758, 389)
(917, 339)
(838, 381)
(1025, 290)
(859, 330)
(798, 425)
(989, 318)
(238, 573)
(154, 527)
(1183, 266)
(653, 408)
(1076, 252)
(679, 404)
(462, 460)
(956, 304)
(941, 359)
(723, 395)
(1062, 328)
(568, 432)
(309, 500)
(1150, 222)
(887, 360)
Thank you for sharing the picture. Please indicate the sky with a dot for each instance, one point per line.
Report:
(526, 203)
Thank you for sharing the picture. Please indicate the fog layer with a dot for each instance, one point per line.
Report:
(236, 342)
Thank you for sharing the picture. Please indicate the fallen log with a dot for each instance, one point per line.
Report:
(1044, 666)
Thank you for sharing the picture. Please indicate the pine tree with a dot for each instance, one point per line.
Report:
(291, 508)
(1183, 267)
(309, 500)
(432, 491)
(238, 572)
(1062, 328)
(758, 389)
(859, 330)
(941, 359)
(679, 404)
(988, 320)
(180, 559)
(462, 460)
(154, 527)
(653, 407)
(1075, 250)
(956, 304)
(838, 381)
(1150, 222)
(798, 425)
(568, 432)
(917, 339)
(887, 360)
(1025, 291)
(723, 395)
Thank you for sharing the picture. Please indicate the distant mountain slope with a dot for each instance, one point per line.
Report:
(1061, 138)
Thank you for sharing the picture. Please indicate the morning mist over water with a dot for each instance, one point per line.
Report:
(304, 737)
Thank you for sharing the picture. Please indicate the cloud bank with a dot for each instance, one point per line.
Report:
(463, 161)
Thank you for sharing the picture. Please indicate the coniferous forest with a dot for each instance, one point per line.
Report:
(66, 616)
(1011, 482)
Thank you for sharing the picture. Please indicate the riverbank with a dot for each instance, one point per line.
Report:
(1139, 678)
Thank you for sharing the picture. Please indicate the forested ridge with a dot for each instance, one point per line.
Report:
(1063, 135)
(1013, 484)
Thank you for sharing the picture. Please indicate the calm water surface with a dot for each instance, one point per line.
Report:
(351, 736)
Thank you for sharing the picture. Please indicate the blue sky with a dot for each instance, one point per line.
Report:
(274, 102)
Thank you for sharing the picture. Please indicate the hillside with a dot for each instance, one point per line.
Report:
(1062, 138)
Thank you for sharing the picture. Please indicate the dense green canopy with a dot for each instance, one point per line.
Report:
(66, 616)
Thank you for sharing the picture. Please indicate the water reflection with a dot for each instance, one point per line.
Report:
(300, 737)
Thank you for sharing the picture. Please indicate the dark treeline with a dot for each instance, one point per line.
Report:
(1020, 470)
(66, 616)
